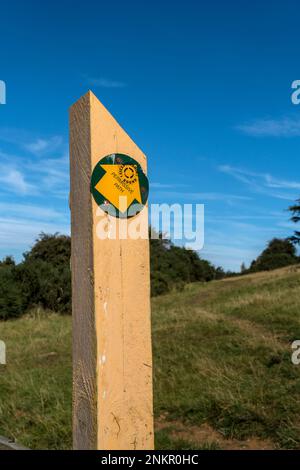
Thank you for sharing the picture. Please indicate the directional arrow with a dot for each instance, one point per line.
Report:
(120, 181)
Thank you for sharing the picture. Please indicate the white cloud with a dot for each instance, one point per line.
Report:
(52, 174)
(30, 143)
(20, 233)
(285, 127)
(199, 197)
(13, 135)
(272, 182)
(235, 243)
(26, 175)
(167, 186)
(14, 181)
(33, 177)
(228, 255)
(105, 83)
(239, 217)
(29, 211)
(45, 178)
(263, 183)
(42, 146)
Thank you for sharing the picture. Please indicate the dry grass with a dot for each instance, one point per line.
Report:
(222, 359)
(223, 376)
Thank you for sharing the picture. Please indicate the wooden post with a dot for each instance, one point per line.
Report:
(112, 359)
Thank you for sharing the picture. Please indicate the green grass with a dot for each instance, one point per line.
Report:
(223, 376)
(35, 398)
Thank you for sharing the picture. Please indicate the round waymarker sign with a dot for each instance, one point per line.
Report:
(119, 185)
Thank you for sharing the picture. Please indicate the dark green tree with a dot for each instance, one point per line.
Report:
(278, 253)
(44, 277)
(54, 249)
(7, 261)
(12, 302)
(295, 210)
(172, 266)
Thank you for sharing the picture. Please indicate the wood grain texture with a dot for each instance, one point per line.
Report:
(83, 307)
(116, 298)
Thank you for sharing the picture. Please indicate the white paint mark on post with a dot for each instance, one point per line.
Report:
(2, 353)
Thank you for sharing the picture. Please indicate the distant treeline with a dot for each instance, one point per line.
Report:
(278, 253)
(43, 278)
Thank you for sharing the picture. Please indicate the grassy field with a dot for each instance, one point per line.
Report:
(223, 377)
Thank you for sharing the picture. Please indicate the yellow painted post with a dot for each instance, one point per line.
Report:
(112, 358)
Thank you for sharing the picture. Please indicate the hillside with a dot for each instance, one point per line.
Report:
(223, 376)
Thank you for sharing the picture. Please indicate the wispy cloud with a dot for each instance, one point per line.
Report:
(105, 83)
(13, 135)
(285, 127)
(29, 211)
(35, 145)
(272, 182)
(263, 182)
(199, 197)
(44, 146)
(17, 233)
(167, 185)
(34, 176)
(53, 173)
(22, 173)
(231, 217)
(228, 251)
(13, 180)
(229, 243)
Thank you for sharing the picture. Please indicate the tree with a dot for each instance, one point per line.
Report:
(174, 266)
(220, 273)
(44, 276)
(12, 302)
(277, 254)
(7, 261)
(295, 210)
(54, 249)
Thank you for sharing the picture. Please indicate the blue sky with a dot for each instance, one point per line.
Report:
(204, 88)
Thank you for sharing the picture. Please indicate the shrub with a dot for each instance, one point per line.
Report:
(173, 266)
(53, 249)
(159, 284)
(44, 278)
(12, 302)
(45, 284)
(277, 254)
